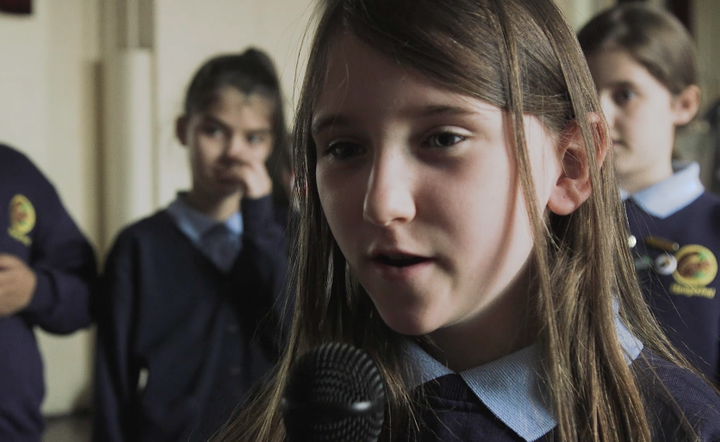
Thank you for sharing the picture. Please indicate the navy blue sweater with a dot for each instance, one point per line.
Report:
(454, 414)
(180, 343)
(685, 302)
(35, 227)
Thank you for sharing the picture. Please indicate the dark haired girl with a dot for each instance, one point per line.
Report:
(188, 319)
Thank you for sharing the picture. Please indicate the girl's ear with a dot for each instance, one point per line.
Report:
(686, 105)
(181, 129)
(573, 186)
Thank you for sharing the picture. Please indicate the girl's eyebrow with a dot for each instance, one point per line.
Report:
(327, 122)
(622, 83)
(210, 119)
(324, 123)
(443, 109)
(225, 126)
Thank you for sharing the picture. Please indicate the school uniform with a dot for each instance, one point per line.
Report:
(504, 401)
(677, 268)
(189, 322)
(35, 227)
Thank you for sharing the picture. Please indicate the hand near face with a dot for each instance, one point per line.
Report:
(255, 179)
(229, 144)
(17, 285)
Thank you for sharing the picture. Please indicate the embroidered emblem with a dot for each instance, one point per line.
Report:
(696, 268)
(22, 219)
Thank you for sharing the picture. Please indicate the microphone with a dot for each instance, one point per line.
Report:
(334, 394)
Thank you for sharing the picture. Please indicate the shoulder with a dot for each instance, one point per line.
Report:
(153, 228)
(685, 385)
(707, 199)
(674, 393)
(707, 208)
(17, 163)
(706, 204)
(19, 174)
(712, 202)
(10, 155)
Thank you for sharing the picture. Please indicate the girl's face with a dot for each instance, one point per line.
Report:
(642, 115)
(232, 137)
(420, 189)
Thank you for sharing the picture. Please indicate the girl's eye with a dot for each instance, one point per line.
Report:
(212, 131)
(624, 95)
(444, 139)
(343, 150)
(255, 139)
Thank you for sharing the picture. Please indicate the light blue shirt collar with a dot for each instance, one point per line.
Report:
(510, 387)
(195, 224)
(672, 194)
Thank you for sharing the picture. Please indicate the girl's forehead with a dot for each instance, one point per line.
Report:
(230, 99)
(617, 66)
(357, 74)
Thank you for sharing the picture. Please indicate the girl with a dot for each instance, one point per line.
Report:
(458, 227)
(644, 66)
(186, 322)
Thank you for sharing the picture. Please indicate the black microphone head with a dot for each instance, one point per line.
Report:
(334, 394)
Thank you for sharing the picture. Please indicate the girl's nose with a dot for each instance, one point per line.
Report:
(389, 197)
(236, 147)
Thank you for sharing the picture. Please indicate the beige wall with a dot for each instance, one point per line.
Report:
(578, 12)
(707, 35)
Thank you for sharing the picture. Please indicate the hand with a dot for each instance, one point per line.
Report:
(256, 181)
(17, 284)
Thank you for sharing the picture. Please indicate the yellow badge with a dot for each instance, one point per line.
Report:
(22, 219)
(696, 268)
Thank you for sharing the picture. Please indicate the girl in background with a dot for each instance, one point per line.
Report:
(187, 320)
(457, 226)
(644, 66)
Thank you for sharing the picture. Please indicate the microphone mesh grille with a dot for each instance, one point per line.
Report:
(324, 383)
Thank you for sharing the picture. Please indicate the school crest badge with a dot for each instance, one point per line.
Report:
(22, 219)
(696, 268)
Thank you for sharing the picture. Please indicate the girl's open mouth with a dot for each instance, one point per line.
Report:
(399, 260)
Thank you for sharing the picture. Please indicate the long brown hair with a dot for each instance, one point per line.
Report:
(524, 58)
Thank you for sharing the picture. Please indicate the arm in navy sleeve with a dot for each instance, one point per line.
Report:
(116, 371)
(269, 236)
(64, 263)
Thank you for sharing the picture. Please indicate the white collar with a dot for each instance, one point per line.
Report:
(194, 224)
(672, 194)
(510, 386)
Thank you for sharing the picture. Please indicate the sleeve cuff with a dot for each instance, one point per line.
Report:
(42, 299)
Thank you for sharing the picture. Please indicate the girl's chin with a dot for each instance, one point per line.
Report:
(409, 325)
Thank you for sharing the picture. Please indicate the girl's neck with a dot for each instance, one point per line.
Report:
(502, 328)
(217, 208)
(638, 181)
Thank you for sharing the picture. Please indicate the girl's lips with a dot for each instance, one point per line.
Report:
(398, 259)
(400, 265)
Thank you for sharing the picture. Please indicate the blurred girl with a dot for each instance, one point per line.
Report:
(458, 227)
(186, 322)
(644, 66)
